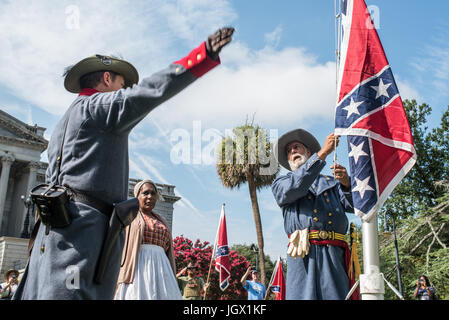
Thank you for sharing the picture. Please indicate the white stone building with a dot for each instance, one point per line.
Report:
(21, 146)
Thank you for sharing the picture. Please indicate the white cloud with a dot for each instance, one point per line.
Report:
(20, 111)
(139, 140)
(281, 87)
(273, 38)
(431, 63)
(145, 168)
(41, 38)
(406, 90)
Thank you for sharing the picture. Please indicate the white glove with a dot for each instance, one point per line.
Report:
(304, 242)
(299, 243)
(293, 245)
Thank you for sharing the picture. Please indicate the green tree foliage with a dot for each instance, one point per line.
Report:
(423, 250)
(417, 191)
(246, 157)
(200, 254)
(420, 204)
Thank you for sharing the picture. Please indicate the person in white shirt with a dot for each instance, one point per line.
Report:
(12, 281)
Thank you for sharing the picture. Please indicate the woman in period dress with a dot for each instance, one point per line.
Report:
(148, 263)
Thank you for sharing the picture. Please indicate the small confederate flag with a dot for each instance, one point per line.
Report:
(278, 284)
(221, 249)
(370, 112)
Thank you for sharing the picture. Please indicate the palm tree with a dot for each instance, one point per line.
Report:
(247, 157)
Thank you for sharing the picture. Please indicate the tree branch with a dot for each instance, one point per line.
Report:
(421, 242)
(427, 237)
(413, 232)
(428, 254)
(436, 234)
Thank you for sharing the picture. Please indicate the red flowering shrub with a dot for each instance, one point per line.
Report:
(200, 253)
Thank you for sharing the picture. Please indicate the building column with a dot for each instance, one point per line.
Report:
(33, 166)
(7, 161)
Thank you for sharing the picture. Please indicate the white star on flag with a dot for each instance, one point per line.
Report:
(357, 152)
(362, 186)
(381, 89)
(352, 108)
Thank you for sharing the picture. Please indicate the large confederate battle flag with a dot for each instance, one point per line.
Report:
(222, 264)
(370, 112)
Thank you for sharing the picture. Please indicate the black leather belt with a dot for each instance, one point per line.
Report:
(96, 203)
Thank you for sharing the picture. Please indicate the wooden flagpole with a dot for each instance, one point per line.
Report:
(213, 254)
(208, 274)
(271, 280)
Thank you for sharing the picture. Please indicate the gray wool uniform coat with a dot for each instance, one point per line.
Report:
(95, 160)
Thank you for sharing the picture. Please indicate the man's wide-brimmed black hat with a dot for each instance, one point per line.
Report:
(100, 63)
(300, 135)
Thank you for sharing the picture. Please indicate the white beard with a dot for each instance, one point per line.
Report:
(296, 164)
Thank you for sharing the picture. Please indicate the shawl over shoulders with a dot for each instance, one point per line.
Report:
(133, 240)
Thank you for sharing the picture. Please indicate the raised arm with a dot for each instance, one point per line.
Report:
(121, 110)
(294, 185)
(242, 281)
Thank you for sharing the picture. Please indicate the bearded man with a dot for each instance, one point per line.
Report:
(313, 206)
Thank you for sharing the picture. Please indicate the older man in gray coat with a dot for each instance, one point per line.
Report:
(313, 207)
(94, 166)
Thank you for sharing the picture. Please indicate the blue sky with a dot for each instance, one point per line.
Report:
(280, 67)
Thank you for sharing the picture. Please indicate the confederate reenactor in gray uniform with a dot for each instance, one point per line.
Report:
(94, 167)
(313, 207)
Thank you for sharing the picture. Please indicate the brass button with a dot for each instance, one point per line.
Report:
(327, 200)
(330, 214)
(189, 62)
(42, 248)
(325, 194)
(315, 210)
(309, 197)
(330, 222)
(198, 56)
(315, 219)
